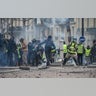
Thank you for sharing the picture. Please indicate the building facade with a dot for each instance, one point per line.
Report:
(89, 29)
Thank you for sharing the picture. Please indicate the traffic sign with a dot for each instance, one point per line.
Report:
(82, 39)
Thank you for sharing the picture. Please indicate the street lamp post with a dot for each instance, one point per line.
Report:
(82, 26)
(12, 27)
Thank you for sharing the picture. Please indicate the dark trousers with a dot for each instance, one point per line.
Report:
(52, 57)
(80, 59)
(64, 55)
(12, 59)
(29, 58)
(3, 59)
(93, 58)
(38, 59)
(33, 57)
(48, 57)
(66, 59)
(19, 61)
(68, 56)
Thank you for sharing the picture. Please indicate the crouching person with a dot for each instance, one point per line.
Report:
(39, 55)
(87, 55)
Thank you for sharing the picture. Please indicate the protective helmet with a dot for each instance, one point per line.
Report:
(64, 42)
(49, 37)
(88, 47)
(22, 39)
(18, 45)
(94, 41)
(34, 40)
(38, 41)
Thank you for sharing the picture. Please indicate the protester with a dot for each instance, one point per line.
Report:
(71, 53)
(39, 53)
(80, 52)
(29, 55)
(12, 52)
(49, 46)
(19, 55)
(64, 49)
(33, 52)
(24, 50)
(93, 52)
(87, 55)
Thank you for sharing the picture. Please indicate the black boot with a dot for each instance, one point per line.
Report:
(64, 62)
(75, 61)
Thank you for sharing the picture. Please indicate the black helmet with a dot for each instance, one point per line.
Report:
(94, 41)
(49, 37)
(88, 47)
(29, 43)
(64, 42)
(22, 39)
(34, 40)
(38, 41)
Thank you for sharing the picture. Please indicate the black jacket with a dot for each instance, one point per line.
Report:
(93, 50)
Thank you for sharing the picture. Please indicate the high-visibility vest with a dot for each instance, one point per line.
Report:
(64, 48)
(80, 48)
(53, 50)
(18, 51)
(72, 50)
(43, 56)
(87, 52)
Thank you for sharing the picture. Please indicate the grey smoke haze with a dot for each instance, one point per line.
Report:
(39, 28)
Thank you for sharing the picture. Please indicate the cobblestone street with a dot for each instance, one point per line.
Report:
(51, 72)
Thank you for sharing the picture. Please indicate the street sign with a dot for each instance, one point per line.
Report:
(82, 39)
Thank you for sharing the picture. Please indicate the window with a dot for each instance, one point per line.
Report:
(94, 22)
(78, 22)
(87, 22)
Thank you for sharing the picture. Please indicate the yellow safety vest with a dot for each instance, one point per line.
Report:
(80, 48)
(87, 52)
(18, 48)
(72, 50)
(64, 48)
(43, 56)
(53, 50)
